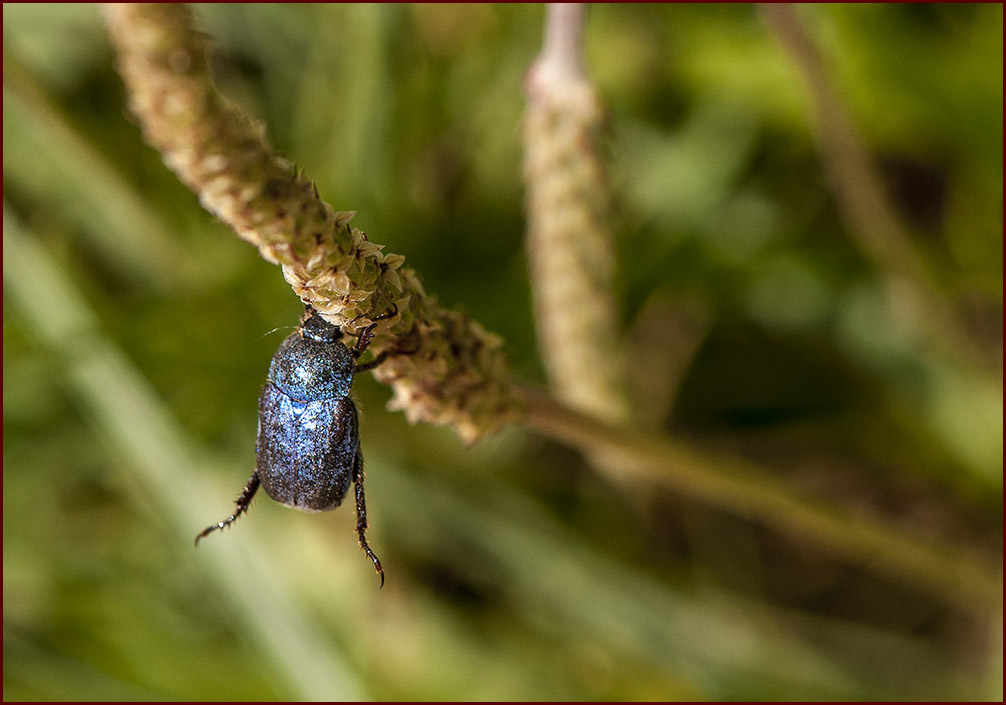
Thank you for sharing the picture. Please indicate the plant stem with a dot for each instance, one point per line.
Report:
(444, 368)
(871, 218)
(873, 221)
(570, 249)
(956, 574)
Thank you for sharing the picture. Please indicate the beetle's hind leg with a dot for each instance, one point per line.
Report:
(243, 502)
(361, 514)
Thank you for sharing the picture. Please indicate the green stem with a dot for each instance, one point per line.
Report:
(956, 574)
(873, 222)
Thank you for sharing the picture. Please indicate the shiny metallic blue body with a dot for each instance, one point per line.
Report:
(308, 448)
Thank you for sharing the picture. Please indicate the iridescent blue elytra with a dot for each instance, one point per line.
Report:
(308, 447)
(308, 436)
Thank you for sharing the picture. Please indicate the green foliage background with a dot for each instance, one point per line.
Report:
(514, 572)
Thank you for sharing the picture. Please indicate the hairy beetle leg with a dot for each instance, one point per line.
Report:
(372, 364)
(361, 515)
(362, 343)
(243, 502)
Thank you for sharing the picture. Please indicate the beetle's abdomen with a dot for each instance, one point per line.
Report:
(305, 449)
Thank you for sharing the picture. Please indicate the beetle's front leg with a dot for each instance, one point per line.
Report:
(243, 502)
(363, 342)
(372, 364)
(361, 514)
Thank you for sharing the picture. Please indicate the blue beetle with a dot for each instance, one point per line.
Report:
(308, 447)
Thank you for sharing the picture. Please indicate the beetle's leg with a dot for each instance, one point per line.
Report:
(390, 313)
(243, 502)
(361, 514)
(372, 364)
(364, 336)
(362, 342)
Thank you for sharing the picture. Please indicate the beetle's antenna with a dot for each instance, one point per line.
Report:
(268, 333)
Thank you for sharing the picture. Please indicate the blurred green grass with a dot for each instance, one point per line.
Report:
(135, 343)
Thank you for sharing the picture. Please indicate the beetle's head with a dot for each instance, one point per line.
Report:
(314, 327)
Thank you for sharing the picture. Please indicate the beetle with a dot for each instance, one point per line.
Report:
(308, 446)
